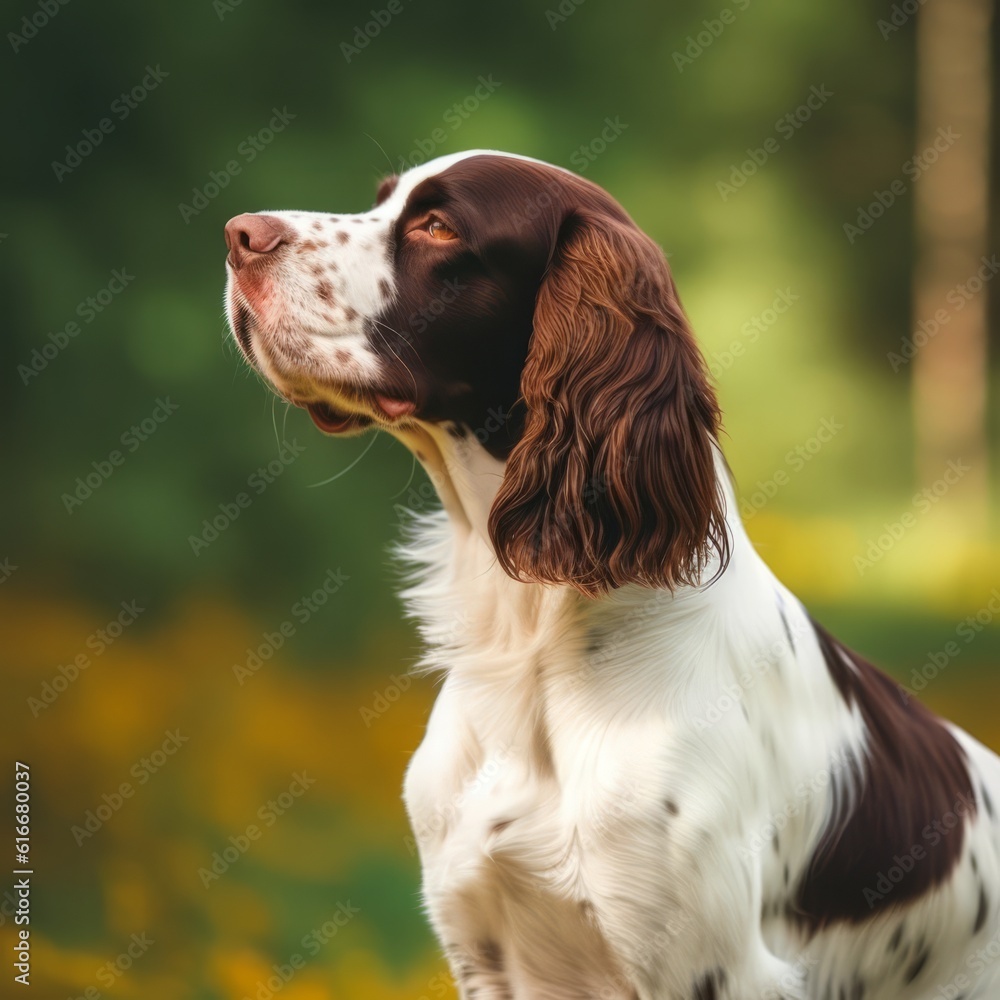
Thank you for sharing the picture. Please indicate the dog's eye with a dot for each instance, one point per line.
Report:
(439, 231)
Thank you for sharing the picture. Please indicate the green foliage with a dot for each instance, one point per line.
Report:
(223, 67)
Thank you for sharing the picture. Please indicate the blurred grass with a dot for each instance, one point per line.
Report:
(343, 841)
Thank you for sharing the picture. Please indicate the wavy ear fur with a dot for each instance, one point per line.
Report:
(613, 480)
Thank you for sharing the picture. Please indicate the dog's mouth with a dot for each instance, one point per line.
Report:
(330, 420)
(388, 411)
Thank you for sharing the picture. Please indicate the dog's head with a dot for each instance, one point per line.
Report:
(514, 302)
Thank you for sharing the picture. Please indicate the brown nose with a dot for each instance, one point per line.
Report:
(248, 235)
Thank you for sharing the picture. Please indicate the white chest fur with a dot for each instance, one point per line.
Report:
(584, 770)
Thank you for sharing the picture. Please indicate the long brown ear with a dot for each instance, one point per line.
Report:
(613, 480)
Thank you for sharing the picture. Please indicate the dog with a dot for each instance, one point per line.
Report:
(649, 774)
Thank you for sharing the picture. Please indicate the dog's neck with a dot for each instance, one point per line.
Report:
(467, 479)
(464, 474)
(515, 647)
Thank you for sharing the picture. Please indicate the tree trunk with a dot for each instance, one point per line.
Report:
(950, 373)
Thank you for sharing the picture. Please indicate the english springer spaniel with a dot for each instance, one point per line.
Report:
(649, 774)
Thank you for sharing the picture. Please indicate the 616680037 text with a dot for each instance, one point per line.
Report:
(22, 873)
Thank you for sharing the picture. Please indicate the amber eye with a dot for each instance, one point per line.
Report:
(439, 231)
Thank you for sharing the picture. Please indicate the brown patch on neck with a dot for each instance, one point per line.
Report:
(905, 832)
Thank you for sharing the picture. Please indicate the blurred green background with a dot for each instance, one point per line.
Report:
(150, 375)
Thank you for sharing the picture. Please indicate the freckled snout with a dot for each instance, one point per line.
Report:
(249, 237)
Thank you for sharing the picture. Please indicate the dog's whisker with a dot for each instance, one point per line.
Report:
(413, 469)
(378, 325)
(343, 472)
